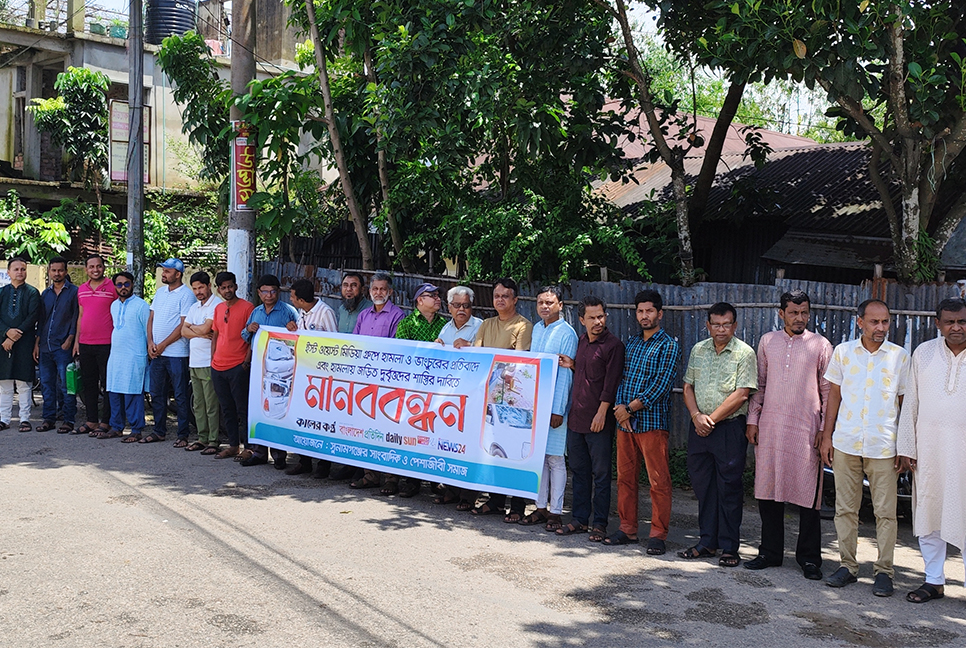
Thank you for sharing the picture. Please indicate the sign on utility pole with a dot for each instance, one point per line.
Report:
(135, 149)
(241, 218)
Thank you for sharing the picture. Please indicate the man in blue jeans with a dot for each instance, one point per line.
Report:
(56, 328)
(598, 369)
(168, 351)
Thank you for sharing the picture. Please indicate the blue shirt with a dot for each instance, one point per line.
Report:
(558, 338)
(57, 317)
(649, 369)
(281, 315)
(128, 361)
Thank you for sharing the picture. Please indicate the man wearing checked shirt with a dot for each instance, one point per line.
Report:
(868, 379)
(643, 413)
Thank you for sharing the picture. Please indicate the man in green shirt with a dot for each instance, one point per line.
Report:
(425, 322)
(722, 374)
(422, 325)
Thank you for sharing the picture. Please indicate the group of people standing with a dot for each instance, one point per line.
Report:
(865, 408)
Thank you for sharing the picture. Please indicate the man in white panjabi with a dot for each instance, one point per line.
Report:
(932, 442)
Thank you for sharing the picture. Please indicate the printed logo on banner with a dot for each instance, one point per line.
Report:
(407, 408)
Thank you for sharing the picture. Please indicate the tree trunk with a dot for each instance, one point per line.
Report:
(383, 164)
(359, 220)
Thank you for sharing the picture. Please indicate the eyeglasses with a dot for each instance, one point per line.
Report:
(227, 311)
(273, 291)
(122, 284)
(461, 306)
(434, 295)
(721, 325)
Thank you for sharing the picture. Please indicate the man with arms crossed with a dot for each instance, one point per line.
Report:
(92, 346)
(785, 420)
(56, 330)
(643, 414)
(721, 375)
(932, 430)
(197, 330)
(868, 379)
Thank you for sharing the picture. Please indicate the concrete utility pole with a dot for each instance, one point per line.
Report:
(241, 223)
(135, 148)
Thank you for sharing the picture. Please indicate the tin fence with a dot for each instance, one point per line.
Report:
(833, 308)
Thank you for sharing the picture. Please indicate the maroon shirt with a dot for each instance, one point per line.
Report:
(597, 374)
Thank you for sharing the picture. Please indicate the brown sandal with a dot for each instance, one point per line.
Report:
(553, 523)
(227, 453)
(244, 455)
(571, 528)
(131, 438)
(537, 517)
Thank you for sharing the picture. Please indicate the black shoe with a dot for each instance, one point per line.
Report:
(760, 562)
(840, 578)
(341, 472)
(812, 571)
(297, 469)
(882, 586)
(321, 469)
(254, 460)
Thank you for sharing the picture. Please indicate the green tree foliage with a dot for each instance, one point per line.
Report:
(76, 119)
(29, 236)
(204, 99)
(908, 59)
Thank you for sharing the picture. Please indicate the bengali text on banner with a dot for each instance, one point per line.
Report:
(471, 417)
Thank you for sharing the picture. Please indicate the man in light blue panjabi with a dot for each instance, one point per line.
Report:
(552, 334)
(128, 362)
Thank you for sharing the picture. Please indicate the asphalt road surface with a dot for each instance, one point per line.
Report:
(107, 544)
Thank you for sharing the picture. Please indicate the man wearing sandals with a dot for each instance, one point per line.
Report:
(19, 303)
(197, 330)
(785, 420)
(53, 350)
(598, 367)
(230, 367)
(868, 379)
(128, 362)
(930, 442)
(553, 334)
(722, 373)
(643, 413)
(168, 351)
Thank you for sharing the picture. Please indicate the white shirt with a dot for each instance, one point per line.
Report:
(169, 306)
(871, 384)
(449, 333)
(319, 318)
(199, 348)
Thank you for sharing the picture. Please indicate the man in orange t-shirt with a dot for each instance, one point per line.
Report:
(230, 367)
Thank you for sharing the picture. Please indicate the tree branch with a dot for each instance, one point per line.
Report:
(951, 143)
(712, 154)
(949, 223)
(857, 112)
(896, 93)
(885, 196)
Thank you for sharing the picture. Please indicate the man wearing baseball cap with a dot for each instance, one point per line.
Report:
(168, 351)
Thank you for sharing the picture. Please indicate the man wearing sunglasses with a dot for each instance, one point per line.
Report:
(128, 362)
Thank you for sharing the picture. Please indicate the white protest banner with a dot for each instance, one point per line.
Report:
(471, 417)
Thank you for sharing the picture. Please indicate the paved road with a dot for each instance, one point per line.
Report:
(105, 544)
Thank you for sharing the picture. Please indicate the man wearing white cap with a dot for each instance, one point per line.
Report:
(168, 351)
